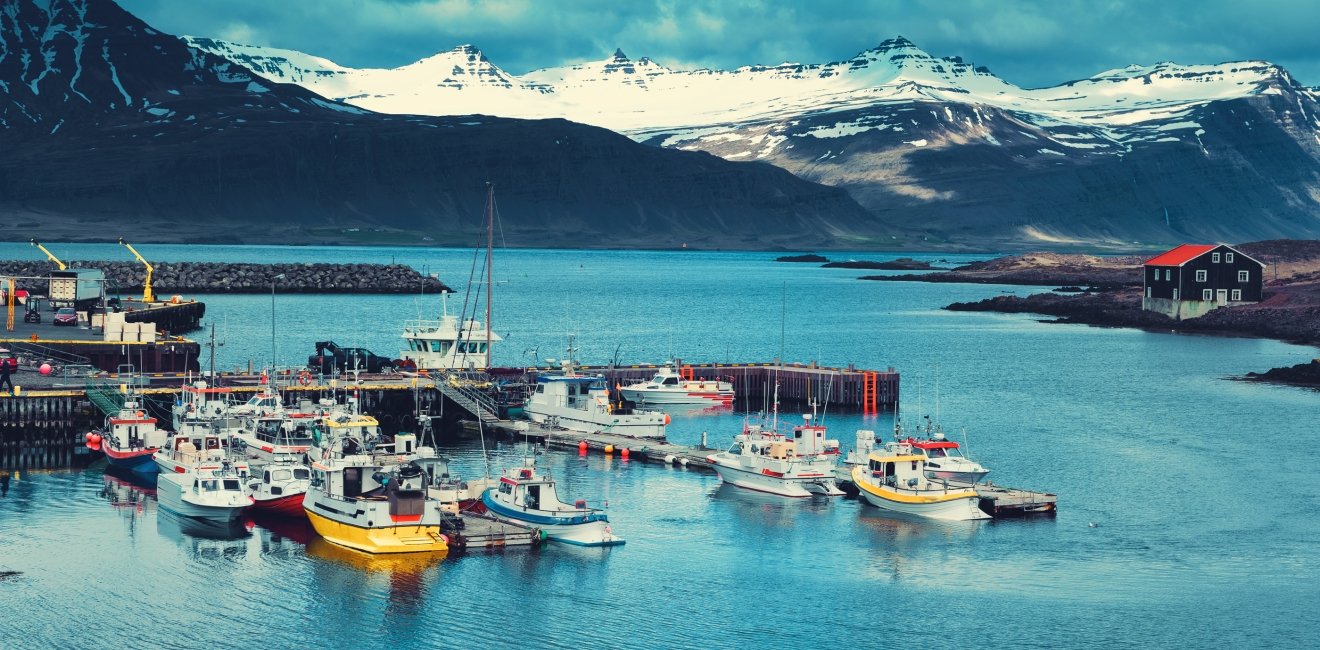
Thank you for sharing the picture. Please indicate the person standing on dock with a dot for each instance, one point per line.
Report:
(4, 483)
(6, 366)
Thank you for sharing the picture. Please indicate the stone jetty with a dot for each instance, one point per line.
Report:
(223, 277)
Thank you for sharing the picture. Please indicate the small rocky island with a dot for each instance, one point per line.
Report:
(1290, 310)
(224, 277)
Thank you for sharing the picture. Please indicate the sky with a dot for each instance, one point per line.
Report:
(1025, 42)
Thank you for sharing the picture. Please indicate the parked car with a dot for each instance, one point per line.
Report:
(66, 316)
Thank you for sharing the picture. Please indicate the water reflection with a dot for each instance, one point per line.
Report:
(902, 543)
(128, 493)
(403, 577)
(282, 535)
(765, 509)
(204, 538)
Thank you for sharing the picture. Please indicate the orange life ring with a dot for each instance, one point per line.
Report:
(305, 378)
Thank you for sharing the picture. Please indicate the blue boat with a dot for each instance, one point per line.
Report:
(526, 496)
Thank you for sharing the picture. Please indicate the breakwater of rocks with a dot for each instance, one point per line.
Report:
(221, 277)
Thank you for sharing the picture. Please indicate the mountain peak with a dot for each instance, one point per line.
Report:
(619, 56)
(896, 43)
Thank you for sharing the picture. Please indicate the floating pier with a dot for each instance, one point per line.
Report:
(485, 532)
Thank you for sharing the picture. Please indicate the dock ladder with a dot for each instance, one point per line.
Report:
(870, 404)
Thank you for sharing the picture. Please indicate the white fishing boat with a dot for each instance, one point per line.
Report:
(199, 444)
(797, 464)
(212, 491)
(454, 343)
(895, 479)
(199, 401)
(366, 497)
(679, 386)
(528, 496)
(278, 438)
(582, 403)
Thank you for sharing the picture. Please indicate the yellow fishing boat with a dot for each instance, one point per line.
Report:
(895, 479)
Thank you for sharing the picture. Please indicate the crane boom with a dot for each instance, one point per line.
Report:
(49, 254)
(147, 296)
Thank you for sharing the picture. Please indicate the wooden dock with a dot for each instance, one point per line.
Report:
(999, 501)
(485, 532)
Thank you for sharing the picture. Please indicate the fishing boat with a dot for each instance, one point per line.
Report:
(279, 488)
(671, 386)
(277, 438)
(527, 496)
(199, 443)
(211, 491)
(895, 479)
(582, 403)
(796, 464)
(199, 401)
(130, 439)
(364, 496)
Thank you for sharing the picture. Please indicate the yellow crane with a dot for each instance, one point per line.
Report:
(49, 254)
(147, 296)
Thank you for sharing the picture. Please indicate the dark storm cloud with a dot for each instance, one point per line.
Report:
(1027, 43)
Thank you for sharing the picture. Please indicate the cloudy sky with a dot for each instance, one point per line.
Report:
(1030, 43)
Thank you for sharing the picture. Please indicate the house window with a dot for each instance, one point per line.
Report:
(1201, 275)
(1237, 295)
(1168, 274)
(1147, 292)
(1175, 294)
(1243, 276)
(1214, 257)
(1207, 294)
(1228, 257)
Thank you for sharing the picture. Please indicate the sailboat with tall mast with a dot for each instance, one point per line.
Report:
(457, 342)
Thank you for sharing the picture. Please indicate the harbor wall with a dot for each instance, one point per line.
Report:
(223, 277)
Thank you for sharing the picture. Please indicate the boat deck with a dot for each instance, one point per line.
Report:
(485, 532)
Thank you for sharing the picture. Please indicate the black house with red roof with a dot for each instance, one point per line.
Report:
(1193, 279)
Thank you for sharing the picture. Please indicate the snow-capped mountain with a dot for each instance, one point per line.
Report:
(1155, 153)
(110, 127)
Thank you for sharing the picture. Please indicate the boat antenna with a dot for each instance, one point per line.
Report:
(485, 456)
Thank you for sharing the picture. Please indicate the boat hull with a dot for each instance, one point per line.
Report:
(782, 486)
(407, 538)
(588, 529)
(955, 505)
(956, 476)
(170, 493)
(285, 506)
(138, 462)
(617, 425)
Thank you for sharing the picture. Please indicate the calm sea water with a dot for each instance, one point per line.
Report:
(1188, 503)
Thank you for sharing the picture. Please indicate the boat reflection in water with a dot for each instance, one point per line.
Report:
(205, 538)
(130, 495)
(765, 509)
(281, 535)
(902, 544)
(401, 577)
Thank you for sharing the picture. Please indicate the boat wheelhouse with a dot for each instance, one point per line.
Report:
(279, 489)
(199, 444)
(199, 401)
(280, 438)
(447, 344)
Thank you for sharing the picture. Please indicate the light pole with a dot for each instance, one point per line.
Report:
(272, 325)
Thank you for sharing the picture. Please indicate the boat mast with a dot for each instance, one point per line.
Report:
(490, 245)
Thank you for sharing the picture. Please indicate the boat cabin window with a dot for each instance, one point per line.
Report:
(231, 484)
(301, 473)
(266, 476)
(282, 475)
(318, 478)
(212, 443)
(671, 381)
(540, 388)
(533, 498)
(268, 430)
(352, 481)
(506, 488)
(658, 379)
(935, 452)
(209, 485)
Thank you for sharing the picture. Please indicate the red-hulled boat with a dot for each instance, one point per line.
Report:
(279, 489)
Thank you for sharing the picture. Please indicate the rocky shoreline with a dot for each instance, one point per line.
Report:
(221, 277)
